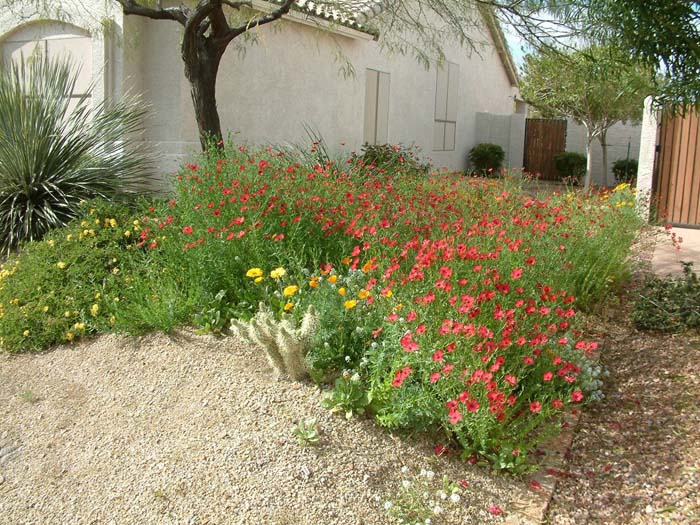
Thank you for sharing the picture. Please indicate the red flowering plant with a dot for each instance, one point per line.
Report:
(460, 298)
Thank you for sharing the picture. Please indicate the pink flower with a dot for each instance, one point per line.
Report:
(535, 407)
(495, 510)
(576, 396)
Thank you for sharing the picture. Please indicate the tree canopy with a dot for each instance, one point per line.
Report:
(594, 86)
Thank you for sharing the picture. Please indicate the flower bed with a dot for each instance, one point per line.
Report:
(445, 304)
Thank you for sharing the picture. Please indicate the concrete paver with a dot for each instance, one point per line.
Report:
(669, 255)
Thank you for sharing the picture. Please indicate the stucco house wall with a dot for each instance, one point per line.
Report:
(291, 77)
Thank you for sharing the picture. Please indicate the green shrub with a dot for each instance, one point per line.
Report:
(625, 170)
(669, 305)
(487, 158)
(571, 166)
(53, 157)
(391, 159)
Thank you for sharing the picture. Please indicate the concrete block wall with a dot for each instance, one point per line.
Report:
(508, 131)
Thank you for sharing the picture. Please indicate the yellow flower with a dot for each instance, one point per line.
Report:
(290, 290)
(94, 310)
(51, 242)
(388, 293)
(25, 333)
(350, 304)
(79, 327)
(69, 336)
(332, 279)
(61, 265)
(288, 307)
(45, 309)
(66, 314)
(97, 296)
(278, 272)
(341, 291)
(112, 319)
(113, 223)
(136, 222)
(115, 271)
(254, 272)
(364, 294)
(69, 237)
(258, 280)
(127, 233)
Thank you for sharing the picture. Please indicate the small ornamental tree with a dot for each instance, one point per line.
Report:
(592, 86)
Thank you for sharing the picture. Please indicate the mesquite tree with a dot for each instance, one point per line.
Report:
(206, 35)
(420, 28)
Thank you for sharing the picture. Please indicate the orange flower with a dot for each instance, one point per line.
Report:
(346, 260)
(364, 294)
(332, 279)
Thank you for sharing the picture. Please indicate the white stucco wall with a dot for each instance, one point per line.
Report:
(619, 137)
(508, 131)
(289, 78)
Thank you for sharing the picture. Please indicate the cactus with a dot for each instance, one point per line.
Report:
(286, 346)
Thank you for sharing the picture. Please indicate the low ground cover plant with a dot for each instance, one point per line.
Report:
(444, 303)
(670, 304)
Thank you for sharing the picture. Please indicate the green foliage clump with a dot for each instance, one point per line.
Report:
(625, 170)
(388, 159)
(669, 304)
(487, 158)
(53, 156)
(571, 166)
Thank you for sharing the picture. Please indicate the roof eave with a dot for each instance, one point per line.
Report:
(499, 40)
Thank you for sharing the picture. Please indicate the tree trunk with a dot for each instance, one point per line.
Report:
(604, 145)
(201, 69)
(589, 161)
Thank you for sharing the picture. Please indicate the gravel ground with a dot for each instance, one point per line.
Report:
(192, 430)
(635, 457)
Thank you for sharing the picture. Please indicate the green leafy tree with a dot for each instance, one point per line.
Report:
(592, 86)
(664, 35)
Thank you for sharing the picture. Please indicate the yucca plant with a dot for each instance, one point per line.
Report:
(53, 156)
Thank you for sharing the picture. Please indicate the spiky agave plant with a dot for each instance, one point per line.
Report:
(53, 155)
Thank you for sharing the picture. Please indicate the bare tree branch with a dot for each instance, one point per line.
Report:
(238, 5)
(257, 22)
(179, 14)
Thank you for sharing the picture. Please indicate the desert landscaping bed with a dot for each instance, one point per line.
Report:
(189, 429)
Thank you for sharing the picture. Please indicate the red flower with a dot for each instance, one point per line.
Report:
(187, 230)
(576, 396)
(440, 450)
(517, 273)
(548, 376)
(535, 407)
(495, 510)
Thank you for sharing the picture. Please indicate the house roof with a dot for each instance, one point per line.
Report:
(349, 13)
(355, 13)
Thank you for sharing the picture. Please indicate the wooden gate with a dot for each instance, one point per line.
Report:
(544, 138)
(677, 176)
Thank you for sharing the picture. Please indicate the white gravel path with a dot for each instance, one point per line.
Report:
(192, 430)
